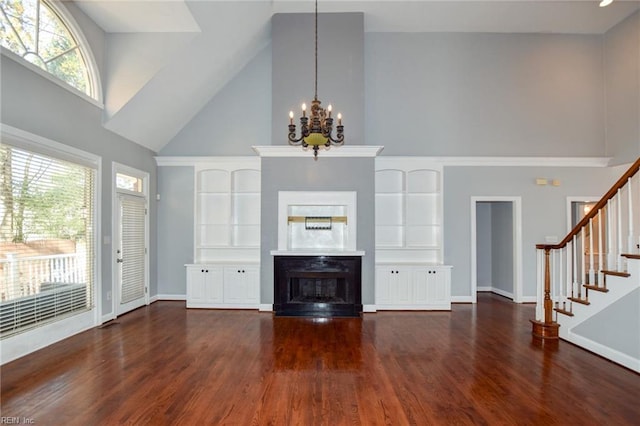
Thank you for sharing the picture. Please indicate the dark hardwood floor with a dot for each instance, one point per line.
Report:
(164, 364)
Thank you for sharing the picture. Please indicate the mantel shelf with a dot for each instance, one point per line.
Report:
(335, 151)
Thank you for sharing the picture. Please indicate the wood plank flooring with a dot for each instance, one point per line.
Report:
(166, 365)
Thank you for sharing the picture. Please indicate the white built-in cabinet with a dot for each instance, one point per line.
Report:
(413, 287)
(226, 269)
(408, 223)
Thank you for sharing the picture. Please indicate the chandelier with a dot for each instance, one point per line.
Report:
(316, 130)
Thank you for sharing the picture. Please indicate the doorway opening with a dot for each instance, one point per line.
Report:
(589, 260)
(496, 246)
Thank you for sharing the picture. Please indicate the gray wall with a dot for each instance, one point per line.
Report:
(543, 210)
(175, 228)
(340, 69)
(622, 78)
(502, 246)
(238, 117)
(484, 94)
(617, 326)
(34, 104)
(484, 277)
(326, 174)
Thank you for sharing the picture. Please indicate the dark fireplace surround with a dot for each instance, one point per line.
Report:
(317, 286)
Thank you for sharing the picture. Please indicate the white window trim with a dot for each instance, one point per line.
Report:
(30, 341)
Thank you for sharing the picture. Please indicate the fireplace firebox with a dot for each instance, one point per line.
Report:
(319, 286)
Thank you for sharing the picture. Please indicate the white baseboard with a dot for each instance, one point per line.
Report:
(605, 351)
(484, 288)
(265, 307)
(106, 318)
(463, 299)
(369, 308)
(181, 297)
(502, 293)
(523, 299)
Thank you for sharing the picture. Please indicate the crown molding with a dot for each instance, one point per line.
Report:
(194, 160)
(506, 161)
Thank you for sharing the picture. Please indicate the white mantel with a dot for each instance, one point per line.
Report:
(334, 151)
(317, 253)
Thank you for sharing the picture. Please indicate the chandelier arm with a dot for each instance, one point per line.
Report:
(293, 140)
(339, 140)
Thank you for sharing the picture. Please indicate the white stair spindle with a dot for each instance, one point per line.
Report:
(600, 266)
(583, 259)
(591, 250)
(630, 218)
(619, 265)
(575, 267)
(563, 290)
(610, 254)
(568, 259)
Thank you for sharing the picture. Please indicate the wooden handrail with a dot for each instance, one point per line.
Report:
(548, 329)
(594, 211)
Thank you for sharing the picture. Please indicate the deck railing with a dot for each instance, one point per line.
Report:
(596, 244)
(26, 276)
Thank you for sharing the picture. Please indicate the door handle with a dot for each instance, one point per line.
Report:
(119, 260)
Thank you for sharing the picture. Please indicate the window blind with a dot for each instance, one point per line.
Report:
(133, 248)
(47, 260)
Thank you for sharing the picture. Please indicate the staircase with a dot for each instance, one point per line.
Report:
(589, 284)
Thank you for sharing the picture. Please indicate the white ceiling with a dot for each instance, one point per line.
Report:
(524, 16)
(232, 32)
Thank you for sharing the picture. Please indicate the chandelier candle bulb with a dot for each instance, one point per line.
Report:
(339, 119)
(329, 110)
(290, 117)
(304, 110)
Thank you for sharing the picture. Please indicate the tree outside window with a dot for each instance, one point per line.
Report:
(33, 30)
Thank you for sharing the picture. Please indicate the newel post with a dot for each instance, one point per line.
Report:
(547, 329)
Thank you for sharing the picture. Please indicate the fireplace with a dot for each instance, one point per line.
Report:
(324, 286)
(317, 268)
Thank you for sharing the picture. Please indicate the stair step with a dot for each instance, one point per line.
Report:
(616, 273)
(580, 301)
(631, 256)
(596, 288)
(563, 312)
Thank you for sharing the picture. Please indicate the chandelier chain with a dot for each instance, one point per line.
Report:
(316, 130)
(316, 53)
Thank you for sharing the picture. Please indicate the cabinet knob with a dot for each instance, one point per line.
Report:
(243, 271)
(207, 271)
(238, 270)
(201, 270)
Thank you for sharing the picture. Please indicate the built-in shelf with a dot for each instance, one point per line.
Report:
(227, 208)
(408, 205)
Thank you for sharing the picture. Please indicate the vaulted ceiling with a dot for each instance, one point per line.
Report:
(165, 59)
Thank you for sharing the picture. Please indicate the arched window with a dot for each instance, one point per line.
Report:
(39, 32)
